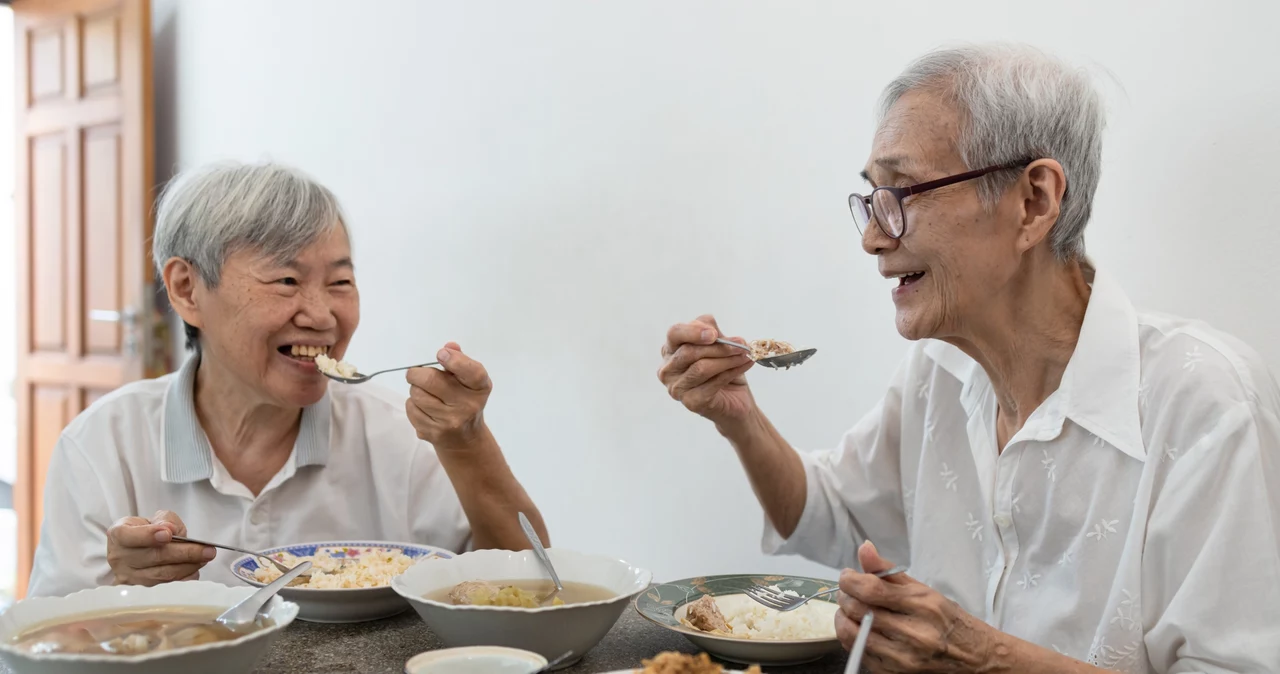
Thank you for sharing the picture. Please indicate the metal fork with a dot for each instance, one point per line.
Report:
(782, 603)
(854, 665)
(256, 555)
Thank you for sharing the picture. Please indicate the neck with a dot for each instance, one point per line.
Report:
(238, 422)
(1025, 337)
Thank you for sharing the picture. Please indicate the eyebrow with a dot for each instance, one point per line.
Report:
(344, 263)
(892, 163)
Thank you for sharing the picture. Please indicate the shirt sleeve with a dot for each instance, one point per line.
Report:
(72, 554)
(1212, 557)
(435, 513)
(853, 492)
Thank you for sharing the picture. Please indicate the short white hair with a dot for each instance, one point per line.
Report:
(1017, 102)
(208, 213)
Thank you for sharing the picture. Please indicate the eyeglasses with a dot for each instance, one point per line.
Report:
(885, 203)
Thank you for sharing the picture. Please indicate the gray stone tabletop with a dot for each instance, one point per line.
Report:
(382, 647)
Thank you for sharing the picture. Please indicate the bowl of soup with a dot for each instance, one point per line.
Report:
(491, 598)
(138, 630)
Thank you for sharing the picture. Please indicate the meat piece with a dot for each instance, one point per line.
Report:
(472, 592)
(705, 615)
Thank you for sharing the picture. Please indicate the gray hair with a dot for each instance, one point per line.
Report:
(1016, 103)
(206, 214)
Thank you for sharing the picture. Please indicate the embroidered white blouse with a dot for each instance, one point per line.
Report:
(1133, 522)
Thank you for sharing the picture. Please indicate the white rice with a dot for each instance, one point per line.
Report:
(337, 368)
(374, 567)
(750, 620)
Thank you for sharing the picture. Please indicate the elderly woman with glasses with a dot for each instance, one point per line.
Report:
(248, 444)
(1074, 485)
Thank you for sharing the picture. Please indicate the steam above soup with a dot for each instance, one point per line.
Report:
(132, 632)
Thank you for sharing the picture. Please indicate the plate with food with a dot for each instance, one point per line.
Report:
(672, 662)
(350, 581)
(142, 630)
(499, 598)
(716, 615)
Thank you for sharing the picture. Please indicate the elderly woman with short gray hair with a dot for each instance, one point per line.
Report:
(1073, 484)
(249, 444)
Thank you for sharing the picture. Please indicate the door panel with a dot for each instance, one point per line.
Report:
(87, 314)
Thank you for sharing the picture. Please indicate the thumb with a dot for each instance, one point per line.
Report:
(171, 521)
(871, 561)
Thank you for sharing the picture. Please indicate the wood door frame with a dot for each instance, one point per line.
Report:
(132, 111)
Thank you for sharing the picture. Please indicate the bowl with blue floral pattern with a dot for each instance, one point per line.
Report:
(751, 633)
(350, 580)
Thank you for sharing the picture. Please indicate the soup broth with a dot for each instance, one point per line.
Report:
(132, 632)
(519, 593)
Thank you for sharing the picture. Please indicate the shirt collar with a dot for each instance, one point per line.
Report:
(1100, 386)
(1102, 382)
(188, 457)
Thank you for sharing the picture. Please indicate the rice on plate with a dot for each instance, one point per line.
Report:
(750, 620)
(361, 567)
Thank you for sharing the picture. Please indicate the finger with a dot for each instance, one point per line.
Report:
(176, 526)
(874, 592)
(884, 654)
(171, 554)
(850, 607)
(871, 561)
(420, 420)
(441, 385)
(707, 369)
(846, 630)
(425, 400)
(703, 330)
(470, 373)
(164, 574)
(194, 576)
(689, 355)
(135, 532)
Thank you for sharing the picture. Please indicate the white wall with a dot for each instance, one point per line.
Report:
(552, 184)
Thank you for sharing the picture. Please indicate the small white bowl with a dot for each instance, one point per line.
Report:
(475, 660)
(237, 655)
(549, 631)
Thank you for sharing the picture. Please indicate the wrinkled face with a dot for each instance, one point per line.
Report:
(955, 254)
(267, 319)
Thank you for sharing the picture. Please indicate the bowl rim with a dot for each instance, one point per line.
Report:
(302, 591)
(645, 582)
(681, 629)
(444, 654)
(290, 610)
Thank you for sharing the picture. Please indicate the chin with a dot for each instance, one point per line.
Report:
(913, 326)
(298, 393)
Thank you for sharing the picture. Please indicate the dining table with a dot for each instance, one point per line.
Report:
(383, 647)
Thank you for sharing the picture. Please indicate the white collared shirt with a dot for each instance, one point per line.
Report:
(357, 472)
(1133, 522)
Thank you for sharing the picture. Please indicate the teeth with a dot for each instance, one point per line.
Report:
(307, 350)
(905, 274)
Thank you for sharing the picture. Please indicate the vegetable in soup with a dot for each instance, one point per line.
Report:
(518, 593)
(132, 632)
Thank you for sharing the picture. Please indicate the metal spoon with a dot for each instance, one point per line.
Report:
(362, 378)
(248, 611)
(541, 553)
(785, 361)
(256, 555)
(553, 664)
(855, 655)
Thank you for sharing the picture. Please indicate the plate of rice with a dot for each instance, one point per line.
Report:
(742, 630)
(350, 581)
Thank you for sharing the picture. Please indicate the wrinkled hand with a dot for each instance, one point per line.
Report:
(447, 408)
(142, 552)
(916, 629)
(708, 378)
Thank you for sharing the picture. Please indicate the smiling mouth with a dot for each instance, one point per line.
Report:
(908, 278)
(303, 352)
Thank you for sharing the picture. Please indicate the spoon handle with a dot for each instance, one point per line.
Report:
(397, 369)
(184, 539)
(247, 610)
(726, 342)
(540, 551)
(854, 665)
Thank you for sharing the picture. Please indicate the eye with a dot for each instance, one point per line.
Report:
(288, 281)
(344, 282)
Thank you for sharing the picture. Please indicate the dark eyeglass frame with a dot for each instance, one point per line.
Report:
(867, 202)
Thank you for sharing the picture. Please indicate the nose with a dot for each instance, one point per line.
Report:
(874, 240)
(315, 313)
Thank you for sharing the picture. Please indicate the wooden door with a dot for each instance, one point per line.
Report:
(86, 307)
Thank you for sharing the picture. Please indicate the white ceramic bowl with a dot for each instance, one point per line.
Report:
(238, 655)
(549, 631)
(349, 605)
(475, 660)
